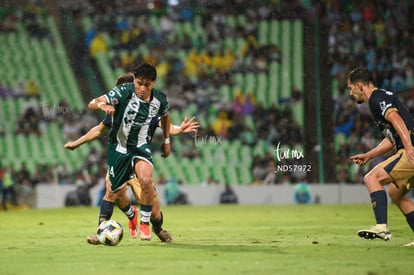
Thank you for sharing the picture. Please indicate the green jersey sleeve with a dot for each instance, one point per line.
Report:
(164, 104)
(120, 94)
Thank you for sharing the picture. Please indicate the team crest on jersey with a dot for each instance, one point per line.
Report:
(115, 101)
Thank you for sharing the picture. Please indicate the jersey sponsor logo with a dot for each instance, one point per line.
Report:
(384, 107)
(132, 116)
(153, 110)
(129, 118)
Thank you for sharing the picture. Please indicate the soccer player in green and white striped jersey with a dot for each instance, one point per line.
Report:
(133, 106)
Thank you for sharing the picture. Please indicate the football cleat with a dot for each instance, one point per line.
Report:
(164, 236)
(144, 229)
(132, 224)
(93, 239)
(410, 244)
(380, 231)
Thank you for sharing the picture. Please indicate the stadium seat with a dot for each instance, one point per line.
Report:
(231, 21)
(274, 34)
(242, 19)
(298, 112)
(286, 84)
(231, 175)
(224, 91)
(10, 150)
(264, 36)
(104, 67)
(298, 67)
(261, 91)
(199, 171)
(249, 122)
(245, 175)
(250, 83)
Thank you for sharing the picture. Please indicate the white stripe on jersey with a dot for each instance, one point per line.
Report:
(131, 112)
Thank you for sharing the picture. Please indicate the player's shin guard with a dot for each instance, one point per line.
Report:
(157, 224)
(105, 211)
(379, 205)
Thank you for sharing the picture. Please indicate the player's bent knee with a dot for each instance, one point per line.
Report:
(372, 177)
(146, 182)
(109, 196)
(367, 179)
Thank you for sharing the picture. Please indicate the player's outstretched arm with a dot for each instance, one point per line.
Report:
(187, 126)
(383, 147)
(92, 134)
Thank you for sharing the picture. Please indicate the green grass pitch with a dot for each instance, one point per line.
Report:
(265, 239)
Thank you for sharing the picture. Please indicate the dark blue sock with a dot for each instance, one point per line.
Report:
(379, 204)
(105, 211)
(410, 219)
(157, 224)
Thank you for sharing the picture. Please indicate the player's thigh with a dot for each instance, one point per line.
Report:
(400, 169)
(376, 176)
(396, 194)
(143, 170)
(399, 197)
(143, 165)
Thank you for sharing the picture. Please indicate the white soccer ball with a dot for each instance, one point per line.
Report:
(110, 233)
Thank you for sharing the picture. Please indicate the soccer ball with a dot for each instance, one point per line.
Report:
(110, 233)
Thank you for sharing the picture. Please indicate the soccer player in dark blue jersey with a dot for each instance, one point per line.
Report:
(397, 124)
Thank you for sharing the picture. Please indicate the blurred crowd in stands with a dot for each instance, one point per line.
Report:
(193, 67)
(378, 36)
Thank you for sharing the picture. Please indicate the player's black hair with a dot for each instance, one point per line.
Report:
(145, 71)
(126, 78)
(360, 74)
